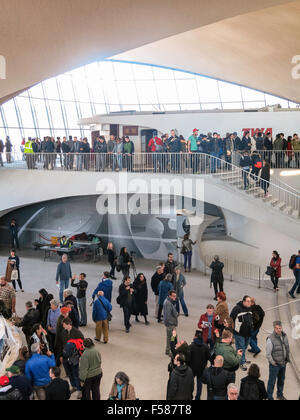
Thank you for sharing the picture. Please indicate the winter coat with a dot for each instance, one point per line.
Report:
(90, 364)
(141, 297)
(170, 267)
(163, 289)
(128, 393)
(243, 319)
(31, 318)
(218, 379)
(101, 308)
(178, 285)
(125, 299)
(217, 272)
(58, 390)
(222, 311)
(258, 316)
(37, 369)
(199, 356)
(23, 384)
(181, 385)
(9, 393)
(106, 287)
(277, 265)
(204, 319)
(170, 313)
(155, 281)
(265, 173)
(231, 357)
(250, 381)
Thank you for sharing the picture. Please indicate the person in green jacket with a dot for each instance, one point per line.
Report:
(225, 349)
(90, 372)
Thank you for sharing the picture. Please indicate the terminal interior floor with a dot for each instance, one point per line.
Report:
(141, 353)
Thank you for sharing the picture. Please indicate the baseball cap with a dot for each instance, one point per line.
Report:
(195, 129)
(4, 381)
(13, 369)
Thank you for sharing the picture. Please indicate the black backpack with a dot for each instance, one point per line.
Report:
(251, 391)
(292, 263)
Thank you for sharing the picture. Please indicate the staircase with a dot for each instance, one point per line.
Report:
(281, 197)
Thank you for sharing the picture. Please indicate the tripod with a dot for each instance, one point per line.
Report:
(133, 267)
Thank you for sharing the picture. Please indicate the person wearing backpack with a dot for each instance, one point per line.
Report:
(199, 356)
(217, 380)
(252, 389)
(295, 266)
(258, 319)
(101, 313)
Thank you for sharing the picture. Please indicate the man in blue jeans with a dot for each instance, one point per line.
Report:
(278, 355)
(297, 277)
(63, 276)
(243, 320)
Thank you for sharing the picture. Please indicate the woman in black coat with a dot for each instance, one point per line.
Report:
(44, 305)
(265, 177)
(124, 262)
(112, 258)
(141, 297)
(217, 277)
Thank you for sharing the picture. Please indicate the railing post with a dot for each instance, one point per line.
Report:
(259, 277)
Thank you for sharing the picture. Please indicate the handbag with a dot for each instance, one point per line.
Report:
(14, 275)
(270, 271)
(109, 315)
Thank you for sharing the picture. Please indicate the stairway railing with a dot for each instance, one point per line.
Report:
(169, 163)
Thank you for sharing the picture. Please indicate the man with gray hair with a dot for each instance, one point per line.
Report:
(37, 370)
(232, 392)
(278, 355)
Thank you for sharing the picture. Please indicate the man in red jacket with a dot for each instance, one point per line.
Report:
(206, 324)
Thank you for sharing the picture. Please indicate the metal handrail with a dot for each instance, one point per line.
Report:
(173, 163)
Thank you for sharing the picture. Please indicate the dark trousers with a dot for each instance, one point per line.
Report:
(73, 374)
(297, 282)
(91, 388)
(15, 241)
(127, 315)
(19, 283)
(220, 284)
(160, 309)
(274, 280)
(199, 388)
(113, 268)
(188, 260)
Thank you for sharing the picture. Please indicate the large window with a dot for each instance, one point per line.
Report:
(54, 106)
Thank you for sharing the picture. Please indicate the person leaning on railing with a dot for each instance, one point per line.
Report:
(1, 151)
(29, 154)
(296, 148)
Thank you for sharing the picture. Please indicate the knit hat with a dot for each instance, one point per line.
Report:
(4, 381)
(65, 310)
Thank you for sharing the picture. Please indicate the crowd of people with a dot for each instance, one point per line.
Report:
(117, 153)
(223, 341)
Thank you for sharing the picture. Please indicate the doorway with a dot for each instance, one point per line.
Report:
(146, 136)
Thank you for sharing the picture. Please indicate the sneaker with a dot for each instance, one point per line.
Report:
(247, 362)
(292, 296)
(250, 351)
(186, 315)
(127, 331)
(243, 368)
(256, 354)
(282, 398)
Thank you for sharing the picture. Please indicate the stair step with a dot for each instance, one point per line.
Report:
(274, 202)
(295, 214)
(235, 182)
(268, 199)
(281, 206)
(288, 210)
(253, 190)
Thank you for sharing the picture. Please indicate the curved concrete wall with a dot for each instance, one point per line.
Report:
(248, 220)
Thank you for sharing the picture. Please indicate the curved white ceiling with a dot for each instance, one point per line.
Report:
(41, 38)
(254, 50)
